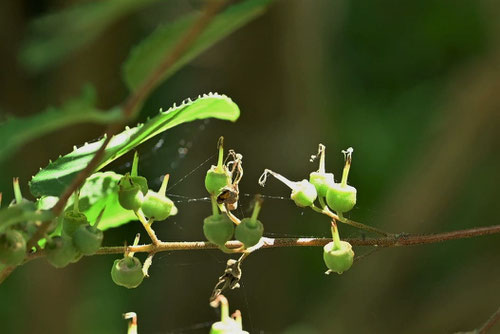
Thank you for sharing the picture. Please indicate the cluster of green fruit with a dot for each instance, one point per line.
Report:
(221, 184)
(78, 237)
(340, 197)
(134, 194)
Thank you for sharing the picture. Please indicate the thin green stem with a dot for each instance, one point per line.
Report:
(322, 202)
(135, 165)
(335, 235)
(220, 147)
(147, 226)
(132, 325)
(134, 244)
(17, 190)
(215, 207)
(322, 153)
(164, 183)
(348, 160)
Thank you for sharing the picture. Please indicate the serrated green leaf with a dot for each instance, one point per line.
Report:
(52, 180)
(146, 56)
(17, 131)
(54, 36)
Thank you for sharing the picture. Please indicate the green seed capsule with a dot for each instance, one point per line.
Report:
(218, 176)
(341, 198)
(338, 260)
(12, 248)
(157, 206)
(127, 272)
(130, 194)
(249, 232)
(321, 181)
(60, 251)
(218, 229)
(72, 220)
(88, 239)
(216, 179)
(304, 193)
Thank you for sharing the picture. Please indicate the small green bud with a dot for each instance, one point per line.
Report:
(249, 232)
(12, 248)
(130, 195)
(217, 179)
(218, 229)
(88, 239)
(72, 220)
(321, 181)
(341, 198)
(304, 194)
(127, 272)
(60, 251)
(338, 259)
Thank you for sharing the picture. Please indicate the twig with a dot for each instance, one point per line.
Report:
(490, 322)
(130, 108)
(393, 241)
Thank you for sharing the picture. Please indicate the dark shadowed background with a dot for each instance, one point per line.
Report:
(413, 86)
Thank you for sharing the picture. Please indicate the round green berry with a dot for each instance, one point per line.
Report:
(127, 272)
(341, 198)
(130, 195)
(12, 248)
(216, 179)
(218, 229)
(322, 181)
(88, 239)
(249, 232)
(157, 206)
(72, 220)
(304, 193)
(60, 251)
(338, 259)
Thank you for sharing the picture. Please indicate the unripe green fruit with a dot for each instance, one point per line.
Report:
(304, 193)
(338, 260)
(216, 179)
(127, 272)
(249, 232)
(142, 182)
(322, 181)
(12, 248)
(341, 198)
(157, 206)
(60, 252)
(88, 239)
(130, 194)
(73, 220)
(218, 229)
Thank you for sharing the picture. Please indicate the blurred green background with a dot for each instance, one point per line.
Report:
(413, 86)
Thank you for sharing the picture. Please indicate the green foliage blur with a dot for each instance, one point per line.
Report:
(412, 86)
